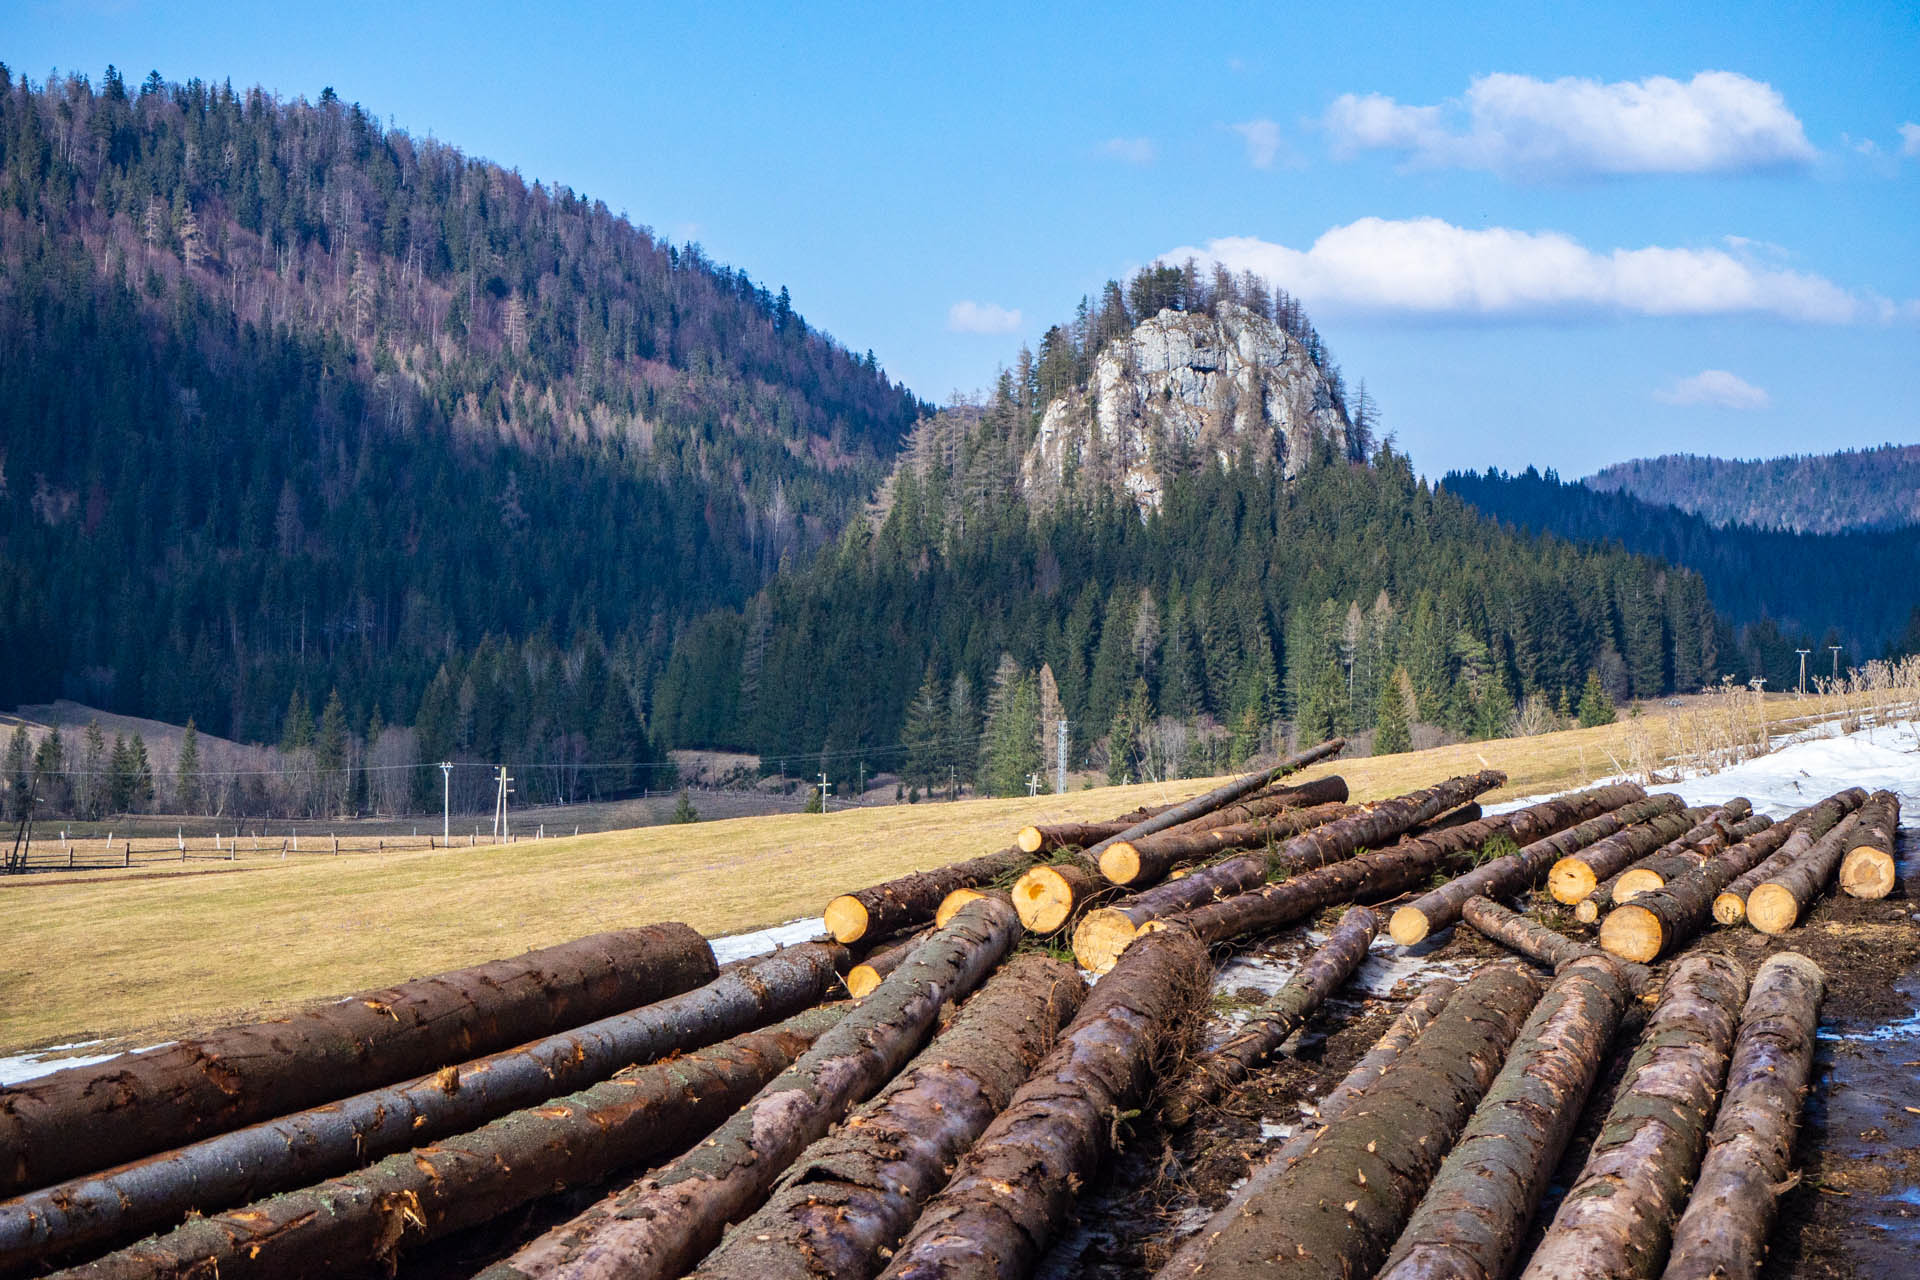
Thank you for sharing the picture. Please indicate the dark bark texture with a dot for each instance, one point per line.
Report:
(1545, 947)
(89, 1118)
(911, 900)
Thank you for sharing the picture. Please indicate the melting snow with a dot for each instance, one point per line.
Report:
(740, 946)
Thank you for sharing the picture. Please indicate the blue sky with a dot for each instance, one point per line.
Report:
(1550, 236)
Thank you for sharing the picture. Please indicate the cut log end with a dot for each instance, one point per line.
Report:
(1408, 926)
(1867, 872)
(1571, 880)
(846, 918)
(1586, 911)
(1772, 908)
(861, 980)
(1100, 939)
(1729, 908)
(1029, 839)
(950, 905)
(1043, 898)
(1120, 863)
(1635, 882)
(1632, 933)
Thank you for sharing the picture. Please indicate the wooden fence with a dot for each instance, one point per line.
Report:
(97, 853)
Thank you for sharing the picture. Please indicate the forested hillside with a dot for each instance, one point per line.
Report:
(291, 402)
(1784, 590)
(1810, 493)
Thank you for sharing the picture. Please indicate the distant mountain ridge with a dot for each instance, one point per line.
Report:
(1808, 493)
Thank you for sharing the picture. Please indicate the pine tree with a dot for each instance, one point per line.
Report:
(1391, 734)
(186, 776)
(1596, 708)
(19, 772)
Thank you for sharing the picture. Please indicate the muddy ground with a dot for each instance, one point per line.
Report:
(1854, 1213)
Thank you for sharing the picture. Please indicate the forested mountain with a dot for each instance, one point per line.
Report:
(1785, 590)
(1809, 493)
(291, 402)
(1173, 635)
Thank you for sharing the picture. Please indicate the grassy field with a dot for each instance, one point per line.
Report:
(141, 956)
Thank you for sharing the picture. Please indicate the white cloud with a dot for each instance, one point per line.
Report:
(1263, 141)
(1425, 266)
(1132, 150)
(1910, 139)
(1716, 388)
(968, 316)
(1518, 125)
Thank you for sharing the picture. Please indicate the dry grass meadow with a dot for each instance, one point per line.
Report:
(137, 956)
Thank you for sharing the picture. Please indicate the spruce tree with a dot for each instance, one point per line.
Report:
(186, 774)
(330, 753)
(93, 769)
(296, 731)
(19, 772)
(923, 734)
(1596, 708)
(140, 776)
(121, 778)
(1391, 732)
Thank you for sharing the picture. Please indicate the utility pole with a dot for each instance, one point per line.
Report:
(824, 786)
(446, 801)
(1060, 763)
(1836, 661)
(500, 804)
(1033, 784)
(953, 783)
(862, 793)
(1803, 670)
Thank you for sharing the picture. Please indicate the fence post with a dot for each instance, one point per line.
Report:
(336, 843)
(127, 860)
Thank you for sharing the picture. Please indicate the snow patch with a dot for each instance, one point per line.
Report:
(21, 1067)
(741, 946)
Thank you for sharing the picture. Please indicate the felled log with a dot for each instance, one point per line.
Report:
(140, 1103)
(1542, 945)
(1402, 1033)
(1730, 902)
(1452, 818)
(1778, 902)
(1105, 933)
(1618, 1216)
(912, 899)
(1688, 853)
(855, 1192)
(865, 976)
(1723, 1232)
(1333, 1213)
(664, 1223)
(1578, 874)
(1137, 863)
(1654, 923)
(1013, 1189)
(358, 1222)
(950, 905)
(1331, 789)
(294, 1150)
(1323, 973)
(1868, 871)
(1440, 908)
(1476, 1213)
(1614, 889)
(1048, 896)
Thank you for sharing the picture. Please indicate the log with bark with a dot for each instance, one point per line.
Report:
(1618, 1215)
(359, 1222)
(1146, 861)
(1778, 902)
(1453, 818)
(1502, 876)
(1655, 923)
(293, 1150)
(847, 1201)
(1544, 946)
(1260, 906)
(1686, 855)
(1577, 875)
(1730, 902)
(950, 905)
(1013, 1189)
(664, 1223)
(1603, 898)
(93, 1117)
(862, 978)
(1723, 1233)
(1475, 1215)
(1401, 1034)
(1331, 789)
(1049, 896)
(1868, 869)
(1333, 1212)
(912, 900)
(1260, 1037)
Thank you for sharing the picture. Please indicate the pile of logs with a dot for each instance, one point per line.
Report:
(753, 1122)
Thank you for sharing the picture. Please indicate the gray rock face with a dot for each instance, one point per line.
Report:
(1183, 391)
